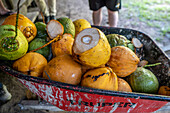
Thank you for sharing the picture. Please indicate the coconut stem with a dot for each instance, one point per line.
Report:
(55, 39)
(16, 30)
(149, 65)
(43, 17)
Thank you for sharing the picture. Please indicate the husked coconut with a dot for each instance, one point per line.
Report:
(54, 28)
(136, 42)
(91, 48)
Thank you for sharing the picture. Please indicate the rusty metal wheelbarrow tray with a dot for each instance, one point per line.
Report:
(82, 99)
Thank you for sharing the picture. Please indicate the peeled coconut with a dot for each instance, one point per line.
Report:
(54, 28)
(91, 47)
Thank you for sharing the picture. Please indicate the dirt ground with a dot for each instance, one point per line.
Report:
(74, 9)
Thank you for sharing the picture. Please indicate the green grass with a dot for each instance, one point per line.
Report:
(164, 31)
(151, 24)
(159, 39)
(149, 11)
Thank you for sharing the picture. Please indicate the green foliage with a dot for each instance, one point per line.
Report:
(165, 30)
(150, 12)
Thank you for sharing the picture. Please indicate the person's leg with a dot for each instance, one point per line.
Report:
(113, 7)
(3, 10)
(97, 17)
(24, 7)
(52, 9)
(113, 18)
(10, 4)
(96, 7)
(43, 8)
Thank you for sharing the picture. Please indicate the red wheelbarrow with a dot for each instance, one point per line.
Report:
(82, 99)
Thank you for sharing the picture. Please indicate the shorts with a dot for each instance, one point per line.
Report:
(113, 5)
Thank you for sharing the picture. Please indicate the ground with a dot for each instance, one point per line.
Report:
(151, 18)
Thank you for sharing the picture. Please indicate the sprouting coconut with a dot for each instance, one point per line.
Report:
(11, 47)
(91, 47)
(25, 25)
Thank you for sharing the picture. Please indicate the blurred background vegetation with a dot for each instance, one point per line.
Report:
(155, 13)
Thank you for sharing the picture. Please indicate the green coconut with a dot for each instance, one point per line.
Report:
(68, 25)
(41, 30)
(143, 81)
(10, 48)
(119, 40)
(38, 42)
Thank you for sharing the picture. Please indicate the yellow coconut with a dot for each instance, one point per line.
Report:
(31, 64)
(123, 85)
(91, 48)
(123, 61)
(64, 69)
(63, 46)
(81, 24)
(100, 78)
(87, 68)
(25, 25)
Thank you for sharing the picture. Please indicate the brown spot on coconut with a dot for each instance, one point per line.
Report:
(91, 48)
(100, 78)
(54, 28)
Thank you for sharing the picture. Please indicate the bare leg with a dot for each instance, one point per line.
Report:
(3, 10)
(113, 18)
(97, 17)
